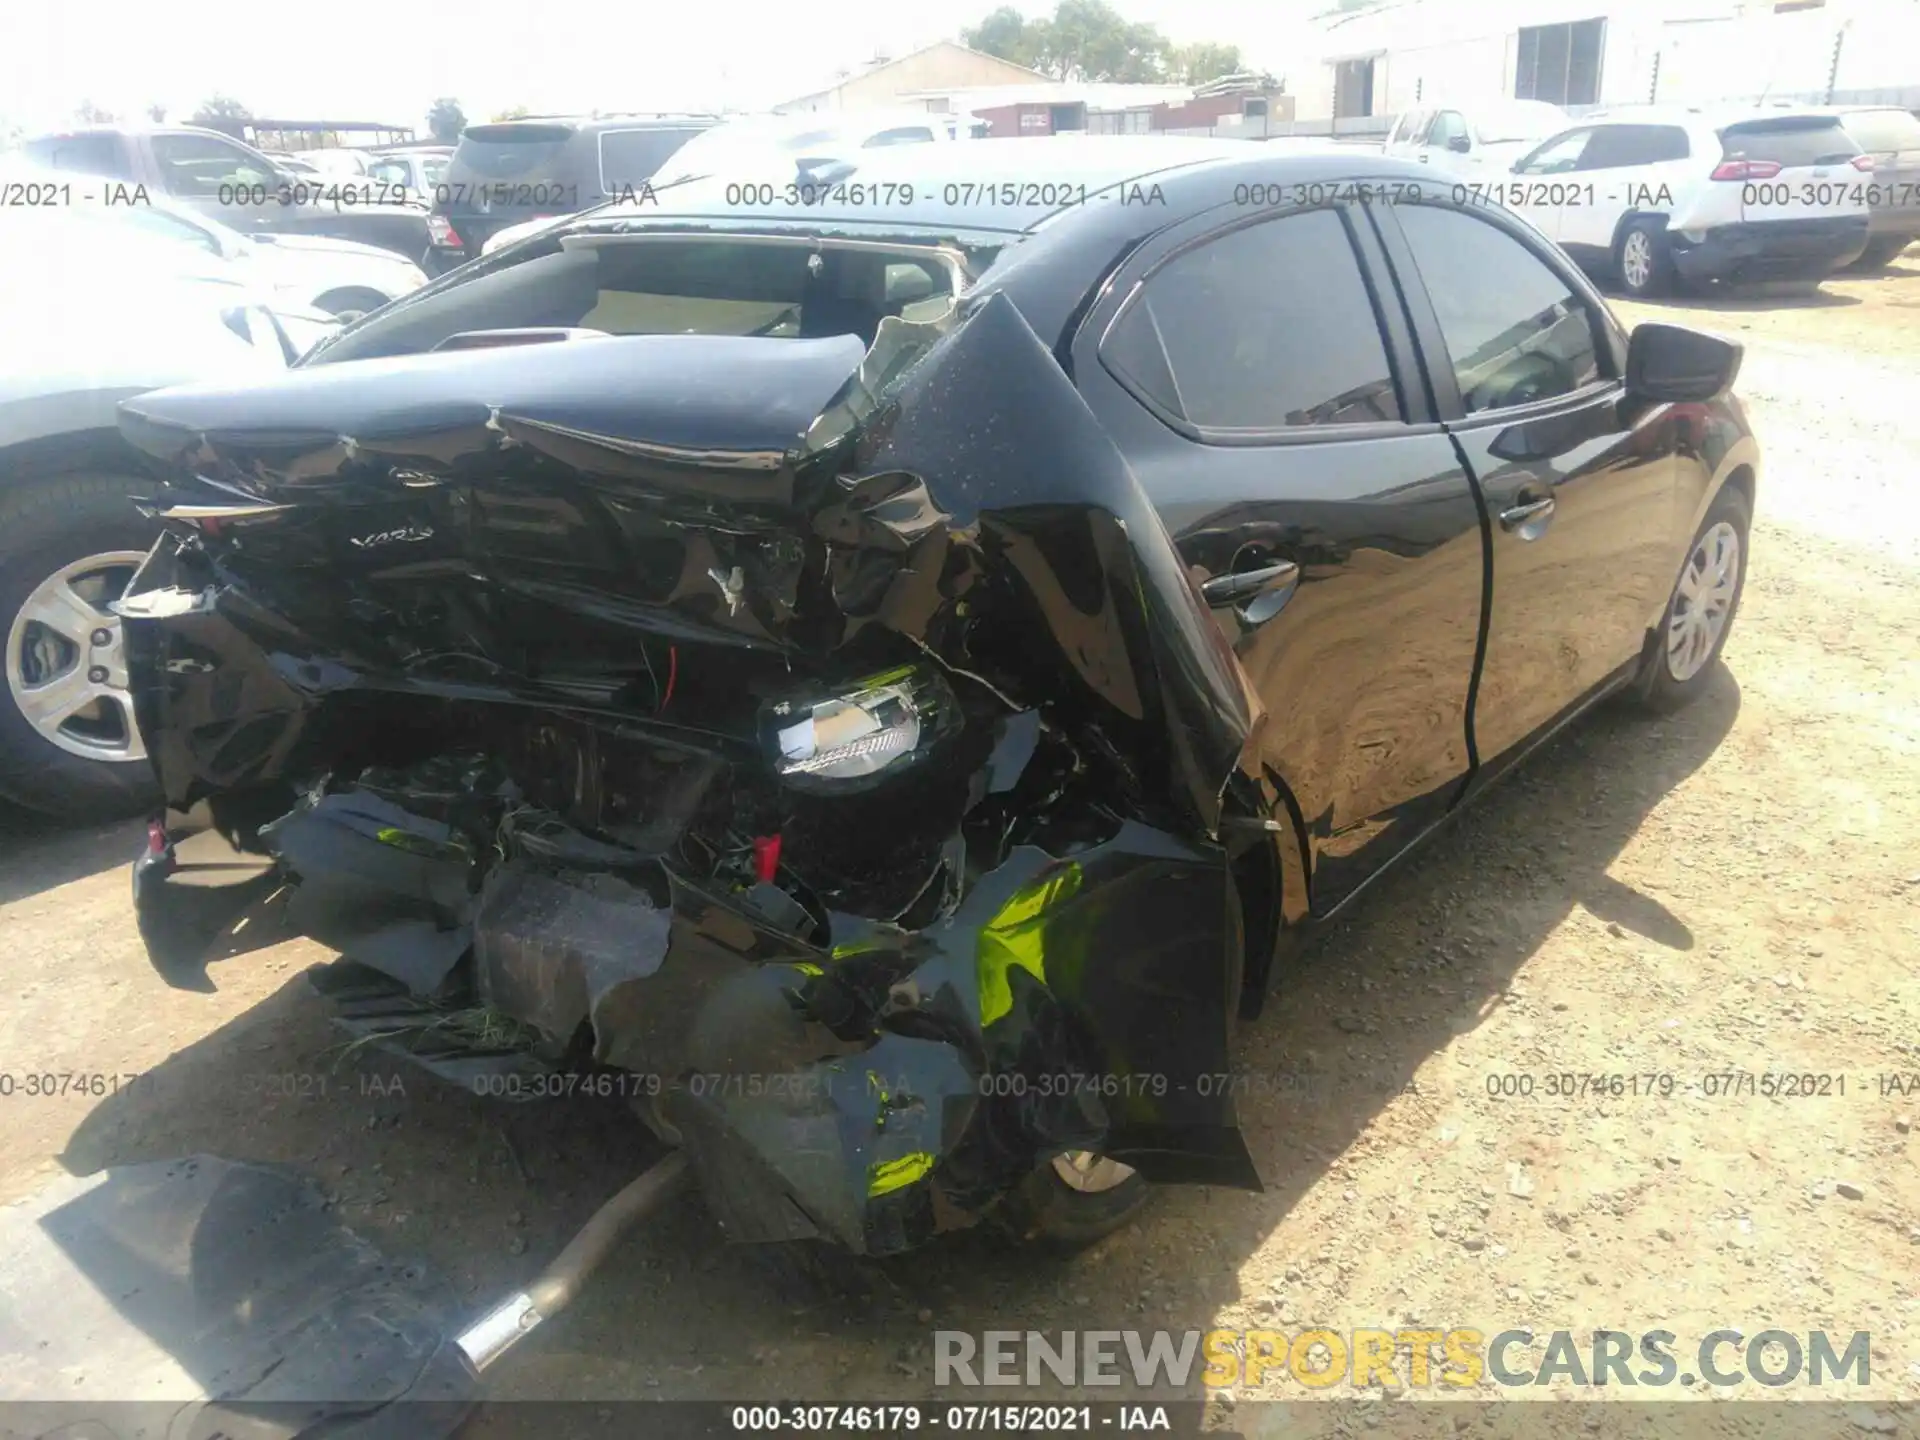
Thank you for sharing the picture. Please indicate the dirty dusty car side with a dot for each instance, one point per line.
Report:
(897, 728)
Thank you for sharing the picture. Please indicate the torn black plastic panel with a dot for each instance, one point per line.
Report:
(583, 572)
(225, 1299)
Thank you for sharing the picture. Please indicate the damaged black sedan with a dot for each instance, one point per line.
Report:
(886, 680)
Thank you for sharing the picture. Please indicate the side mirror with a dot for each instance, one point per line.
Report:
(1676, 364)
(1459, 144)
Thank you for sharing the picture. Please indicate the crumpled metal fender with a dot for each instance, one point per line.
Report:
(984, 467)
(1072, 1001)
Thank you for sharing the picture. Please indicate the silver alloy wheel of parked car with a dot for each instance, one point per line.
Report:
(1636, 259)
(66, 666)
(1703, 598)
(1090, 1173)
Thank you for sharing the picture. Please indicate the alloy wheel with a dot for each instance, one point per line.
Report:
(1703, 601)
(66, 664)
(1636, 259)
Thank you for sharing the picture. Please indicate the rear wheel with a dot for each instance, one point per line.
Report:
(69, 744)
(1700, 612)
(1645, 267)
(1074, 1199)
(1881, 252)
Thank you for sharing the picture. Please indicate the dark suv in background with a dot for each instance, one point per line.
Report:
(1891, 136)
(517, 170)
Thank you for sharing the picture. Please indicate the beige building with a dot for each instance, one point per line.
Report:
(939, 67)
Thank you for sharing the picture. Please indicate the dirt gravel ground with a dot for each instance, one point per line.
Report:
(1733, 890)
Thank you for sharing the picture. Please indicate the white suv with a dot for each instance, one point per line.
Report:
(1654, 195)
(1474, 140)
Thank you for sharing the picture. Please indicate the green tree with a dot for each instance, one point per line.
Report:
(157, 113)
(89, 113)
(1207, 60)
(221, 108)
(516, 112)
(1007, 34)
(446, 120)
(1090, 40)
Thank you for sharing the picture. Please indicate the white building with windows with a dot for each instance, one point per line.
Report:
(1577, 53)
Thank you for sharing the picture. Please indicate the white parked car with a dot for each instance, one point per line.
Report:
(339, 160)
(422, 170)
(342, 277)
(1654, 196)
(769, 151)
(1474, 140)
(758, 142)
(96, 308)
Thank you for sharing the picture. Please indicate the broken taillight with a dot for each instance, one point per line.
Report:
(881, 724)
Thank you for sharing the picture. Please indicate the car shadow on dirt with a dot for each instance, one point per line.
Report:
(1742, 299)
(485, 1191)
(41, 852)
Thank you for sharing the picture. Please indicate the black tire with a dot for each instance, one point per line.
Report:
(1881, 252)
(1656, 277)
(46, 524)
(1047, 1211)
(1660, 690)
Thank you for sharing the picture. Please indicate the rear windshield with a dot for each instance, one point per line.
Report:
(628, 157)
(1790, 141)
(510, 152)
(1881, 131)
(674, 286)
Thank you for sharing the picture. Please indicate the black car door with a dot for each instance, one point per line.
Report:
(1525, 370)
(1259, 378)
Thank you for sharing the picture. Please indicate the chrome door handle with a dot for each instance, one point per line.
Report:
(1521, 515)
(1239, 585)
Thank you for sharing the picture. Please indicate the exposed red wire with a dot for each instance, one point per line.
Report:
(766, 857)
(673, 669)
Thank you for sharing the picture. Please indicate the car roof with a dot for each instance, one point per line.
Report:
(143, 127)
(1062, 246)
(587, 123)
(1701, 117)
(1005, 186)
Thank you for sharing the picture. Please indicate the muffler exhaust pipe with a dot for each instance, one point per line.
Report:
(513, 1319)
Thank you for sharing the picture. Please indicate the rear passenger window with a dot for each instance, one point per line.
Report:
(1615, 145)
(1268, 327)
(1515, 332)
(1557, 156)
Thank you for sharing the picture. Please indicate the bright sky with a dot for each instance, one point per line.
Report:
(386, 60)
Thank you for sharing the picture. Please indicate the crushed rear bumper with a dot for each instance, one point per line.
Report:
(1770, 250)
